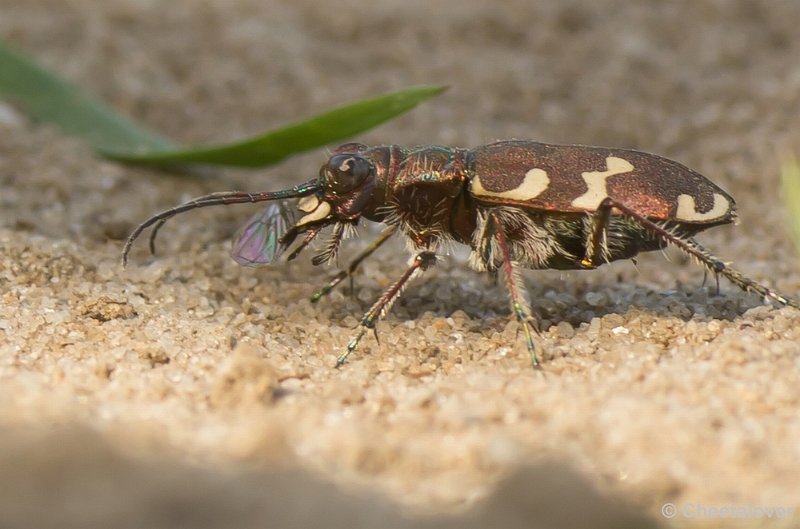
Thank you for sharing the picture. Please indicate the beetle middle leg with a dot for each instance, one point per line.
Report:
(353, 265)
(421, 262)
(515, 285)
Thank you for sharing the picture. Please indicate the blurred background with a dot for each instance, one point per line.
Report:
(714, 84)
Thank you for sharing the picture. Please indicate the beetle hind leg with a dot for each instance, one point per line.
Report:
(720, 268)
(692, 248)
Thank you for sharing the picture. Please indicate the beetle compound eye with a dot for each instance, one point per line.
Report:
(345, 172)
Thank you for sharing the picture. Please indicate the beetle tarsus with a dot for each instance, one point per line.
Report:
(350, 348)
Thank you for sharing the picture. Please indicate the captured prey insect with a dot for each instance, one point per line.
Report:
(258, 242)
(516, 204)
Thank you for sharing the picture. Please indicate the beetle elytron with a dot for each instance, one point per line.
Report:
(516, 204)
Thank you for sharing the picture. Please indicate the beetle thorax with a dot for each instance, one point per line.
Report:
(426, 195)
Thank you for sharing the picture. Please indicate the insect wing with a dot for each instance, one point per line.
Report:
(257, 243)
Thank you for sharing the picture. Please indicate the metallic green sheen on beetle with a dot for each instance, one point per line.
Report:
(516, 204)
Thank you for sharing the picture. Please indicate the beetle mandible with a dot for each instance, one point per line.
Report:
(515, 203)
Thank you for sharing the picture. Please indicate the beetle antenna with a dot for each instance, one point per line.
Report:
(214, 199)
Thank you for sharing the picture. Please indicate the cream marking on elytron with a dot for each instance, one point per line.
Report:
(687, 209)
(596, 181)
(322, 211)
(535, 182)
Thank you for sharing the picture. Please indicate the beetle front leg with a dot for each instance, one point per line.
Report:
(421, 262)
(354, 264)
(516, 288)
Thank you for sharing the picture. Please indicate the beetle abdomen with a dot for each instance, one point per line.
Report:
(575, 178)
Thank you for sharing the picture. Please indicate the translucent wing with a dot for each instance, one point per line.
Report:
(257, 243)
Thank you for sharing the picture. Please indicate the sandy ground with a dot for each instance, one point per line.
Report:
(188, 391)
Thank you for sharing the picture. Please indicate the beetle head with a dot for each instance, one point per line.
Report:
(345, 186)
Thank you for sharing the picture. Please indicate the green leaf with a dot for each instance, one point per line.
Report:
(46, 97)
(49, 98)
(790, 177)
(269, 148)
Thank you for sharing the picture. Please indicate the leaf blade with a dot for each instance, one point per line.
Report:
(790, 178)
(46, 97)
(276, 145)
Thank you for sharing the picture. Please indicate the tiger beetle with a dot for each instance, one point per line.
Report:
(516, 204)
